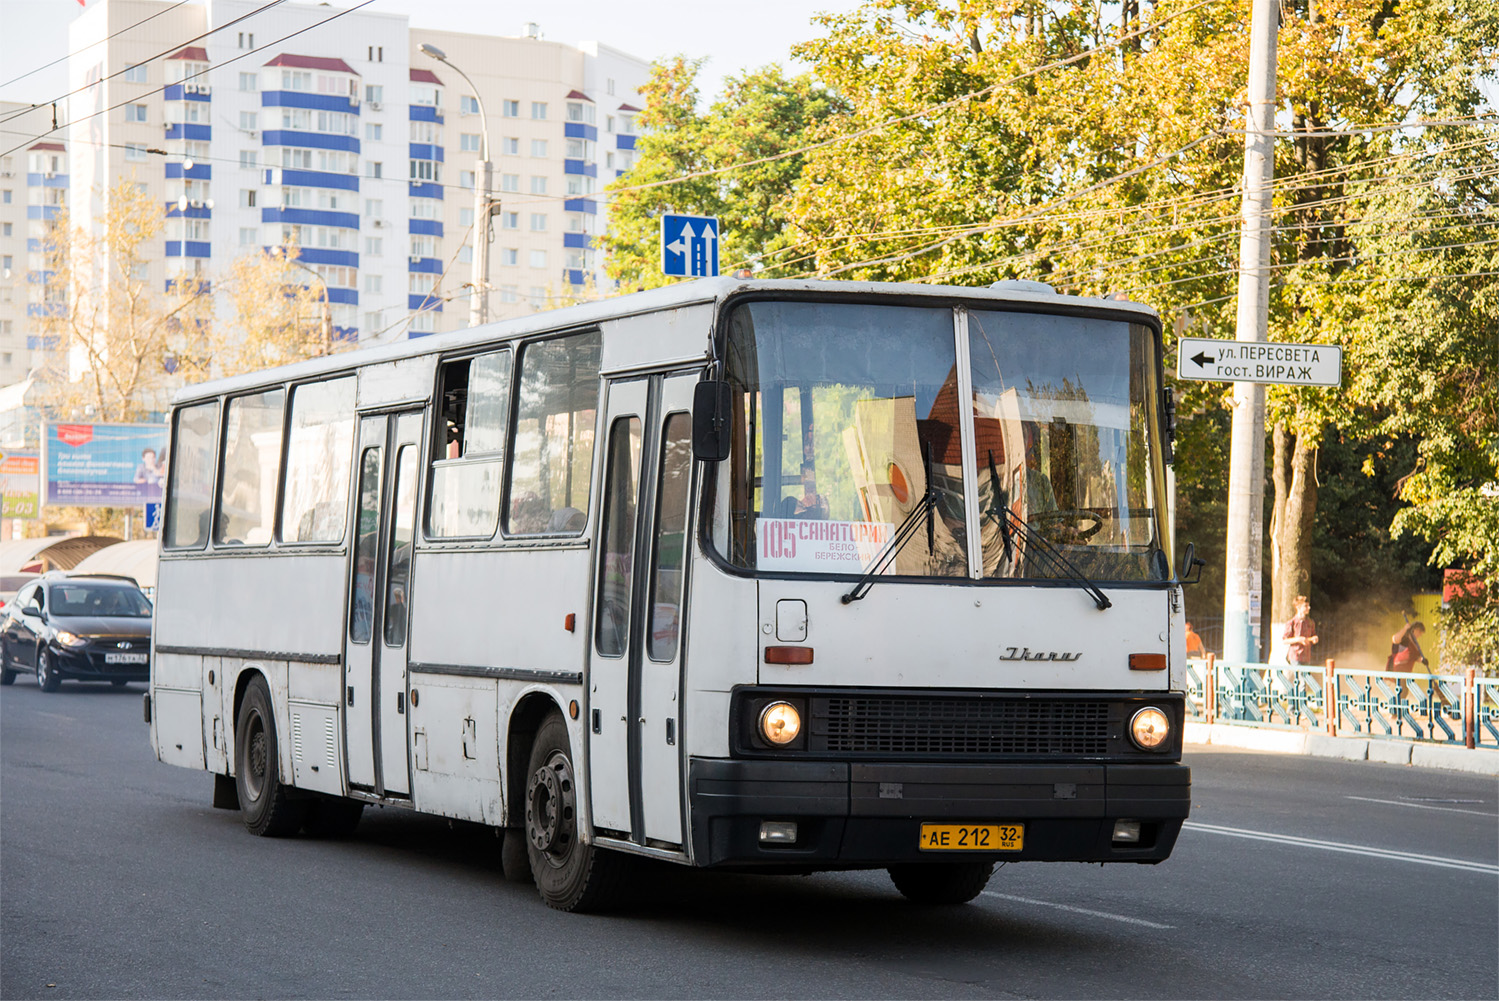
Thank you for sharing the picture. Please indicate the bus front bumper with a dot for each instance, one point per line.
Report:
(869, 814)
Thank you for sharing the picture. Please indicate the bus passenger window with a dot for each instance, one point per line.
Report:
(190, 476)
(362, 612)
(464, 500)
(670, 546)
(612, 623)
(402, 527)
(318, 452)
(252, 456)
(551, 460)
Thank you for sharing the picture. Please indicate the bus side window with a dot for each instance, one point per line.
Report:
(252, 455)
(464, 499)
(670, 545)
(318, 454)
(612, 620)
(190, 476)
(551, 460)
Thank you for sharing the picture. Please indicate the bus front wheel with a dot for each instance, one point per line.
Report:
(267, 806)
(570, 875)
(941, 882)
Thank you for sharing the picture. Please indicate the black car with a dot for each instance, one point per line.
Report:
(84, 627)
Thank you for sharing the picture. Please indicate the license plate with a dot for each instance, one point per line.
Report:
(126, 658)
(972, 837)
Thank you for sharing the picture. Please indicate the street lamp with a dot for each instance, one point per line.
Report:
(478, 309)
(327, 308)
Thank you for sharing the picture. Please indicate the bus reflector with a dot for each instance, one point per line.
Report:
(788, 655)
(1147, 662)
(570, 621)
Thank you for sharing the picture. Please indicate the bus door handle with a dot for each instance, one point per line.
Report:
(400, 702)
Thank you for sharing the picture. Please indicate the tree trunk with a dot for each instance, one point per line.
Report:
(1291, 525)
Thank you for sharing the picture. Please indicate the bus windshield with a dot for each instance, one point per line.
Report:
(843, 410)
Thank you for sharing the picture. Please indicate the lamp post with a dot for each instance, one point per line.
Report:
(327, 308)
(478, 310)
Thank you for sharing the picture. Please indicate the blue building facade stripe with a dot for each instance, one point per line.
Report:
(45, 309)
(312, 179)
(425, 265)
(341, 258)
(308, 140)
(579, 167)
(189, 248)
(302, 99)
(425, 113)
(46, 180)
(180, 92)
(425, 189)
(575, 276)
(577, 241)
(187, 130)
(625, 142)
(34, 343)
(426, 151)
(424, 227)
(45, 212)
(201, 212)
(423, 302)
(311, 217)
(580, 205)
(347, 296)
(198, 171)
(580, 130)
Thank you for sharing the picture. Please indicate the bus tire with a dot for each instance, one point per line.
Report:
(332, 817)
(941, 882)
(268, 809)
(570, 875)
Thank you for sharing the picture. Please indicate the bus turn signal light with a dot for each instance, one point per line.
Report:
(788, 655)
(1147, 662)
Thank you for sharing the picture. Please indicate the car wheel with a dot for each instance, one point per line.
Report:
(570, 875)
(941, 882)
(47, 679)
(268, 809)
(6, 674)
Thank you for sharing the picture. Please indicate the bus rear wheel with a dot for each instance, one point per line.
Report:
(570, 875)
(941, 882)
(267, 806)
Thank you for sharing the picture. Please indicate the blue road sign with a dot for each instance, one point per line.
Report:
(153, 516)
(689, 246)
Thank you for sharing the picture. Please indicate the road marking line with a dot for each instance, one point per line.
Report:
(1338, 846)
(1420, 806)
(1078, 910)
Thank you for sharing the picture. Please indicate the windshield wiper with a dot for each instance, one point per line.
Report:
(903, 533)
(1010, 522)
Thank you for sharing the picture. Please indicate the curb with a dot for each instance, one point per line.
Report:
(1319, 745)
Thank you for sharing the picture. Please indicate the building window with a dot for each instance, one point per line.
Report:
(426, 208)
(6, 229)
(610, 86)
(539, 147)
(374, 168)
(377, 54)
(465, 254)
(509, 182)
(372, 320)
(508, 220)
(424, 322)
(135, 151)
(512, 108)
(577, 222)
(538, 258)
(420, 283)
(608, 161)
(538, 222)
(248, 236)
(295, 80)
(509, 293)
(136, 73)
(426, 132)
(465, 217)
(423, 245)
(538, 110)
(538, 185)
(247, 157)
(247, 39)
(374, 246)
(468, 105)
(373, 284)
(627, 125)
(5, 197)
(465, 178)
(580, 111)
(537, 295)
(374, 207)
(135, 112)
(468, 142)
(374, 93)
(249, 121)
(510, 256)
(249, 81)
(247, 198)
(373, 131)
(510, 146)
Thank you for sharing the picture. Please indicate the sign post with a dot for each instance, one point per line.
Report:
(1271, 363)
(689, 246)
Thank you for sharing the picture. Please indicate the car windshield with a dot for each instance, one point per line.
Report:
(98, 599)
(843, 410)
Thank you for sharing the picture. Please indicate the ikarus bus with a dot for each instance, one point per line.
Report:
(774, 576)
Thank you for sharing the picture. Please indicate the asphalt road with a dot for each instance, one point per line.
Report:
(1298, 879)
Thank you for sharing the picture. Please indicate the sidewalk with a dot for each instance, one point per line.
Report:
(1482, 761)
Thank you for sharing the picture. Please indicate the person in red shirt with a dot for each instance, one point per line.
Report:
(1405, 648)
(1301, 633)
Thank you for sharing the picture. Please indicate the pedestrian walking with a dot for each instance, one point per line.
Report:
(1301, 632)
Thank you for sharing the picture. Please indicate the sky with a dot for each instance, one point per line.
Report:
(734, 36)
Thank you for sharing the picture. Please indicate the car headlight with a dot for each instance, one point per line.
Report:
(780, 723)
(70, 639)
(1149, 728)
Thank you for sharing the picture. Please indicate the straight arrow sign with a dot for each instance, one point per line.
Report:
(1272, 363)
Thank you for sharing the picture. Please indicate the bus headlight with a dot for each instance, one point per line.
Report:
(1149, 728)
(780, 723)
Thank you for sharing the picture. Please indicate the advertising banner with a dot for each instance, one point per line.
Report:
(20, 482)
(819, 546)
(105, 465)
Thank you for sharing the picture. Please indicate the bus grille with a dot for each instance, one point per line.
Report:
(961, 726)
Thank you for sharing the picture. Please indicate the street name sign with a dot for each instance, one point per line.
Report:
(1273, 363)
(689, 246)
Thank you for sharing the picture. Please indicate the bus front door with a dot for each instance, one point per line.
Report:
(635, 748)
(375, 688)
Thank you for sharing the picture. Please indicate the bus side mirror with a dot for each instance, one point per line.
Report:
(711, 426)
(1190, 562)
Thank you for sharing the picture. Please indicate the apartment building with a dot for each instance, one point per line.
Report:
(345, 138)
(33, 188)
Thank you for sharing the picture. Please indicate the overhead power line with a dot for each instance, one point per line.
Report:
(90, 45)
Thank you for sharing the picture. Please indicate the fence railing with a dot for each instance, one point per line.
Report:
(1458, 709)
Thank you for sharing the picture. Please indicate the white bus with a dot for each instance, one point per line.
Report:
(764, 575)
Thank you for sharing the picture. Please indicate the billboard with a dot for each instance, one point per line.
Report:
(105, 465)
(20, 484)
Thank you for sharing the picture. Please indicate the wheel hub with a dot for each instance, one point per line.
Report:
(550, 807)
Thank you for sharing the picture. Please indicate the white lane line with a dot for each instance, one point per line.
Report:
(1338, 846)
(1420, 806)
(1078, 910)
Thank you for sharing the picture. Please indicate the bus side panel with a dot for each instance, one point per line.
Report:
(722, 649)
(455, 767)
(654, 339)
(262, 604)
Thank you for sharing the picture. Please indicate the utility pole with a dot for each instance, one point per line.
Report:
(484, 204)
(1243, 585)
